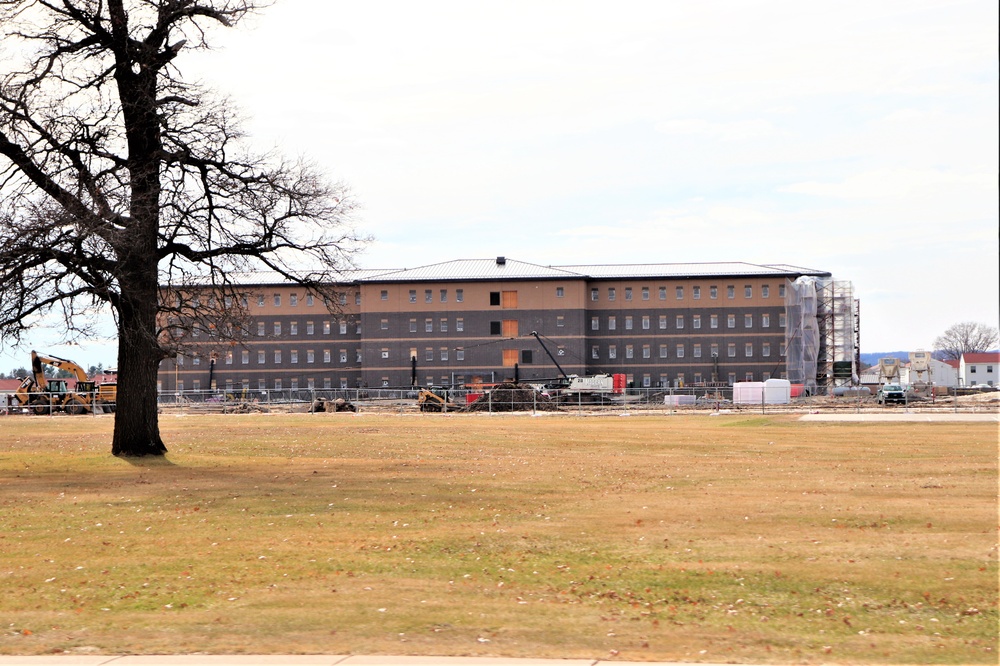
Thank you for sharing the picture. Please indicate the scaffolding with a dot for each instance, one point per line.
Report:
(822, 334)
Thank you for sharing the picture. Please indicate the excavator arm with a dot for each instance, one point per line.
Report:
(37, 360)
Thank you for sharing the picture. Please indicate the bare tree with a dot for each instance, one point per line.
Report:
(965, 338)
(121, 183)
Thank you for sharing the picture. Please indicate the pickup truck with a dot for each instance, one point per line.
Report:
(890, 393)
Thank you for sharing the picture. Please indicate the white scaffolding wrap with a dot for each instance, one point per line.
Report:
(820, 334)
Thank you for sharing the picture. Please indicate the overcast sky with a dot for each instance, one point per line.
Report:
(858, 138)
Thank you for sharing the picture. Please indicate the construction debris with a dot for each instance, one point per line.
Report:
(332, 406)
(512, 397)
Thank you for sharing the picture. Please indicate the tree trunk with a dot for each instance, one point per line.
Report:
(137, 426)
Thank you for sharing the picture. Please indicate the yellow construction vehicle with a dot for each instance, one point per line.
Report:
(43, 395)
(435, 399)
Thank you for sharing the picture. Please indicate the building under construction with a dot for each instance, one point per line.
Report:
(475, 321)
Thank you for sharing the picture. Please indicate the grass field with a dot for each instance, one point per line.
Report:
(693, 538)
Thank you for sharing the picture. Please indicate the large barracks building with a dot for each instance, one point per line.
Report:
(482, 321)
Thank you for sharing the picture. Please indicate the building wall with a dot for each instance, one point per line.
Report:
(475, 331)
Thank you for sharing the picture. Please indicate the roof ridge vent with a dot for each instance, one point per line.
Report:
(501, 261)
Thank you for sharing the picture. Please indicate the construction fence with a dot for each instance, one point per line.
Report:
(403, 400)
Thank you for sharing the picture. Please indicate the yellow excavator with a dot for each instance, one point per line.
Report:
(43, 395)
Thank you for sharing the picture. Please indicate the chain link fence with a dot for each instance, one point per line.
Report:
(462, 400)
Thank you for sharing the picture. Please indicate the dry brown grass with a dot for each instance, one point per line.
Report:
(730, 538)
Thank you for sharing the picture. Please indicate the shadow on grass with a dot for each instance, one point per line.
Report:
(148, 461)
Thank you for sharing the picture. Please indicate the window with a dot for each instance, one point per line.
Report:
(428, 296)
(277, 384)
(628, 322)
(731, 291)
(696, 350)
(747, 291)
(714, 350)
(326, 355)
(781, 320)
(663, 351)
(679, 321)
(385, 352)
(260, 357)
(679, 293)
(357, 298)
(595, 323)
(277, 356)
(310, 356)
(595, 352)
(444, 353)
(326, 328)
(228, 301)
(495, 328)
(277, 300)
(180, 359)
(645, 322)
(748, 321)
(460, 325)
(731, 321)
(781, 290)
(444, 295)
(459, 295)
(293, 356)
(443, 325)
(628, 293)
(413, 326)
(294, 383)
(309, 300)
(695, 321)
(384, 295)
(680, 351)
(293, 328)
(594, 294)
(663, 293)
(384, 324)
(612, 351)
(310, 328)
(509, 358)
(277, 328)
(527, 356)
(510, 328)
(612, 294)
(560, 292)
(460, 354)
(731, 350)
(343, 328)
(229, 358)
(765, 291)
(713, 292)
(495, 298)
(343, 297)
(612, 322)
(428, 325)
(645, 351)
(628, 351)
(260, 300)
(260, 329)
(509, 299)
(713, 321)
(413, 295)
(245, 357)
(663, 322)
(560, 321)
(293, 300)
(765, 349)
(765, 320)
(645, 293)
(696, 293)
(748, 349)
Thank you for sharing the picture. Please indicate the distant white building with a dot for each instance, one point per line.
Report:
(979, 368)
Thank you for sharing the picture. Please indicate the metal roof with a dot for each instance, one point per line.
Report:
(499, 268)
(608, 271)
